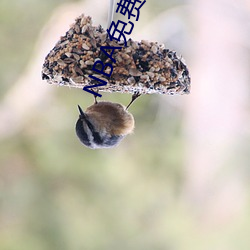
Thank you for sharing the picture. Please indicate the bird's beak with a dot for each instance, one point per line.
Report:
(82, 115)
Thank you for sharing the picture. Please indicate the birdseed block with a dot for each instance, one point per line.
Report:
(144, 67)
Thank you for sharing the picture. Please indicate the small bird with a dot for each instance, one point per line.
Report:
(104, 124)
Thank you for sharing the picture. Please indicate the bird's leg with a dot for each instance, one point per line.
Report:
(134, 97)
(95, 96)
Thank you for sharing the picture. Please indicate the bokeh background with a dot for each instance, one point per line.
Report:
(180, 182)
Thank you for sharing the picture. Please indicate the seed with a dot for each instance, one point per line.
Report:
(134, 72)
(145, 42)
(84, 29)
(118, 58)
(85, 46)
(77, 29)
(126, 56)
(150, 74)
(144, 78)
(135, 45)
(61, 62)
(77, 57)
(154, 49)
(69, 60)
(77, 79)
(103, 37)
(68, 54)
(152, 69)
(88, 62)
(131, 80)
(64, 43)
(78, 70)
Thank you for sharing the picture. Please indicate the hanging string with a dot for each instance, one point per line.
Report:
(111, 12)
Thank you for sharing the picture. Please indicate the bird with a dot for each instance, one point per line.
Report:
(104, 124)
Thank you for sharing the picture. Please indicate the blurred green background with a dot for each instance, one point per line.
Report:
(181, 181)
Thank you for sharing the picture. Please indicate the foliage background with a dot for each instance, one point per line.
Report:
(172, 184)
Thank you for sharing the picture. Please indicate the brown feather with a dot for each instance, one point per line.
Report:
(111, 117)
